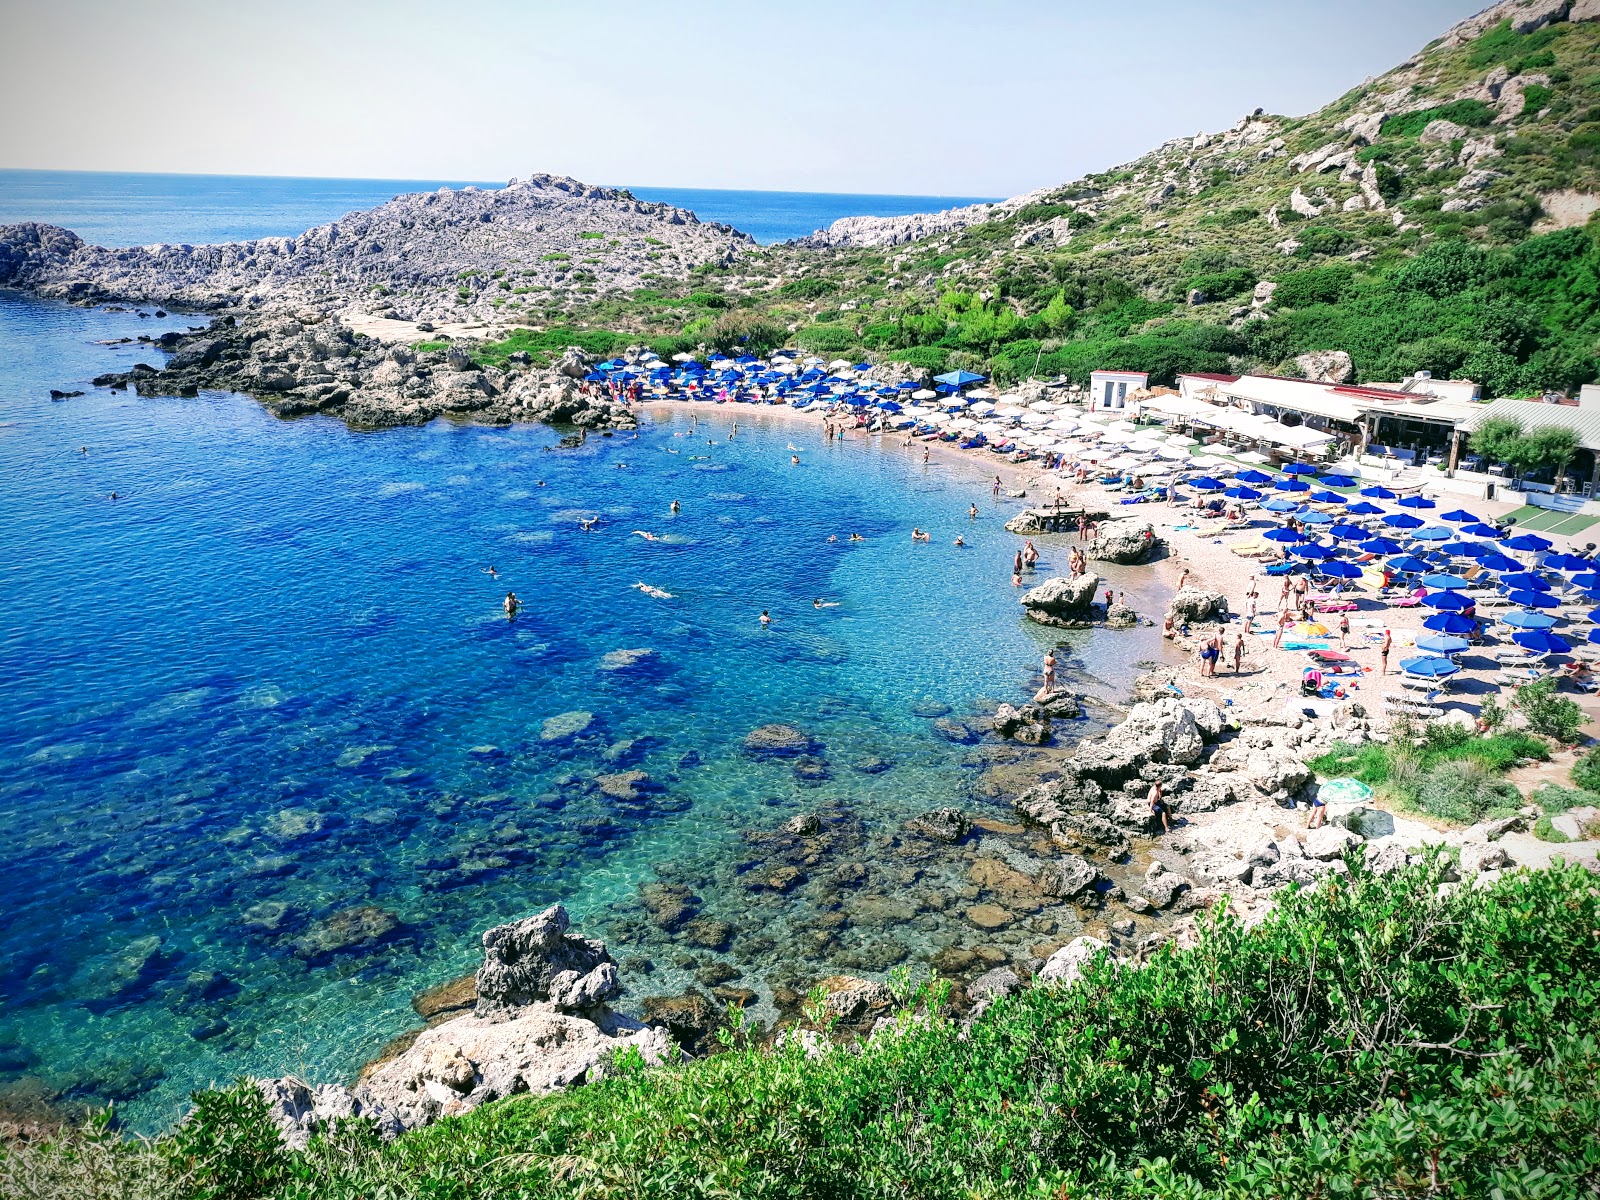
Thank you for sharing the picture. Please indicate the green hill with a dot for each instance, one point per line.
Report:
(1434, 218)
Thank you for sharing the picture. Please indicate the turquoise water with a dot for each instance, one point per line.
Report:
(272, 682)
(125, 209)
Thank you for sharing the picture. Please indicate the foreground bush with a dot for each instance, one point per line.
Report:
(1371, 1038)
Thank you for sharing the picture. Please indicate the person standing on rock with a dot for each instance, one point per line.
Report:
(1049, 673)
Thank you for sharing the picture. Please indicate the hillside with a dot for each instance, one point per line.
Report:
(1432, 218)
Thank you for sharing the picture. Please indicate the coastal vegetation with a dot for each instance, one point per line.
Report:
(1377, 1036)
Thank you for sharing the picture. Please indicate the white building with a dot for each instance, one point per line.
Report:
(1109, 389)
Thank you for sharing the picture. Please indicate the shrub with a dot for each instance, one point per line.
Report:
(1546, 832)
(1464, 790)
(1586, 771)
(1314, 285)
(227, 1149)
(708, 299)
(1547, 713)
(829, 339)
(1556, 799)
(1221, 285)
(1474, 114)
(808, 287)
(926, 358)
(1322, 239)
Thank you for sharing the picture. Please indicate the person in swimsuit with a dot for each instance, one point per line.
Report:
(820, 603)
(924, 457)
(856, 537)
(1383, 652)
(676, 508)
(1169, 627)
(1158, 808)
(1319, 812)
(1049, 671)
(1238, 652)
(491, 572)
(1344, 631)
(794, 459)
(973, 511)
(959, 541)
(1030, 554)
(1285, 619)
(512, 605)
(918, 536)
(1016, 563)
(765, 619)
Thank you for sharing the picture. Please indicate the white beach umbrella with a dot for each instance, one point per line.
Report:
(1094, 456)
(1173, 453)
(1123, 462)
(1123, 427)
(1160, 469)
(1252, 456)
(1065, 424)
(1035, 420)
(1143, 445)
(983, 408)
(839, 364)
(992, 427)
(924, 394)
(1207, 461)
(1043, 406)
(1180, 439)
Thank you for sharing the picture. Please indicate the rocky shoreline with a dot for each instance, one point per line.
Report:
(303, 363)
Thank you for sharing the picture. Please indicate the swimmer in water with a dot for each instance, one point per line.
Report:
(794, 459)
(83, 449)
(491, 572)
(588, 524)
(113, 495)
(541, 483)
(647, 535)
(973, 511)
(918, 536)
(676, 507)
(765, 619)
(656, 592)
(856, 537)
(960, 541)
(820, 603)
(832, 538)
(512, 604)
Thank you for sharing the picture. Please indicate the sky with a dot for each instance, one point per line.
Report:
(922, 97)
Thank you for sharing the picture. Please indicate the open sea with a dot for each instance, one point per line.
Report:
(272, 757)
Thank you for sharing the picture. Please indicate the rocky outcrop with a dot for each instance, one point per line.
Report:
(1326, 366)
(1060, 601)
(1126, 542)
(1065, 967)
(1196, 604)
(307, 363)
(536, 959)
(435, 256)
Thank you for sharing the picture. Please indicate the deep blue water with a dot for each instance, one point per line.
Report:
(124, 209)
(272, 679)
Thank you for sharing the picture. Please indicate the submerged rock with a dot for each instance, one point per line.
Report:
(941, 824)
(779, 741)
(359, 927)
(565, 726)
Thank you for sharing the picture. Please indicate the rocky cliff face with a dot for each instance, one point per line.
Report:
(441, 255)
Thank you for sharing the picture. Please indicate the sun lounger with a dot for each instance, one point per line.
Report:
(1412, 707)
(1403, 602)
(1336, 606)
(1422, 683)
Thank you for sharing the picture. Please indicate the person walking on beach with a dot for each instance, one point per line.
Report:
(1283, 595)
(1285, 619)
(1083, 525)
(1344, 631)
(1250, 612)
(997, 487)
(1383, 652)
(1238, 652)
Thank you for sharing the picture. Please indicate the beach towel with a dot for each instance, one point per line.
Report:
(1296, 645)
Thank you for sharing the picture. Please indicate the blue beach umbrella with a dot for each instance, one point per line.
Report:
(1542, 642)
(1483, 531)
(1281, 505)
(1417, 502)
(1348, 533)
(1458, 515)
(1443, 643)
(1449, 622)
(1462, 548)
(1242, 493)
(1299, 469)
(1527, 541)
(1429, 666)
(1494, 561)
(1521, 618)
(1525, 580)
(1449, 601)
(958, 379)
(1403, 521)
(1362, 508)
(1338, 481)
(1341, 570)
(1285, 535)
(1316, 518)
(1329, 498)
(1433, 533)
(1312, 551)
(1529, 599)
(1205, 484)
(1566, 562)
(1252, 477)
(1447, 582)
(1380, 546)
(1292, 485)
(1593, 614)
(1587, 581)
(1409, 563)
(1377, 493)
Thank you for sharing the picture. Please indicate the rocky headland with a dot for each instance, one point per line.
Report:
(425, 256)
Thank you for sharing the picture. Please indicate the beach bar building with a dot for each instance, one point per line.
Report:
(1109, 389)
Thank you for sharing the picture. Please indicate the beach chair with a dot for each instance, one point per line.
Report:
(1411, 706)
(1407, 601)
(1422, 683)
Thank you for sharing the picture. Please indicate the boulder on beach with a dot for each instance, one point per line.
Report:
(1062, 599)
(536, 959)
(1196, 604)
(1126, 541)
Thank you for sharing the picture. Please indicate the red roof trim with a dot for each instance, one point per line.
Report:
(1209, 375)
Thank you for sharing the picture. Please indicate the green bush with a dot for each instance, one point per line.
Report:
(926, 358)
(1547, 713)
(1586, 771)
(808, 287)
(708, 299)
(1474, 114)
(1222, 285)
(1546, 832)
(227, 1149)
(1465, 790)
(1370, 1037)
(827, 339)
(1314, 285)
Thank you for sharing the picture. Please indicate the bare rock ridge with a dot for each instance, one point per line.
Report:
(421, 256)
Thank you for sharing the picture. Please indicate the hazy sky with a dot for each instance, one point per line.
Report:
(899, 96)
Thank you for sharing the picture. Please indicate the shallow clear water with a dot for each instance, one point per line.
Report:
(111, 208)
(272, 682)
